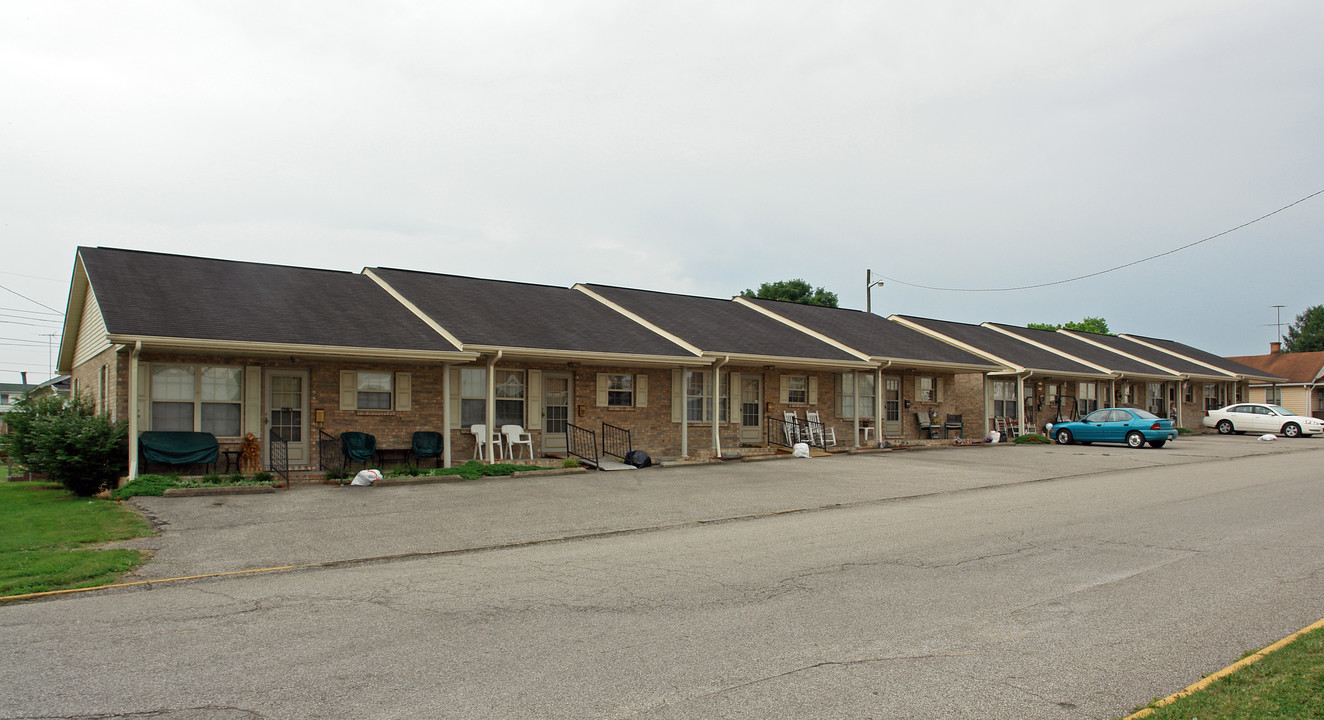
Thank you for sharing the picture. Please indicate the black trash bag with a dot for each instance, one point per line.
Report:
(638, 458)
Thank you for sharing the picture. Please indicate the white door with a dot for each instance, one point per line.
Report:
(892, 406)
(287, 412)
(751, 409)
(557, 398)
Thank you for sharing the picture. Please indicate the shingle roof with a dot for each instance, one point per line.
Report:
(1203, 356)
(1085, 351)
(174, 296)
(521, 315)
(871, 334)
(1295, 367)
(1008, 348)
(1150, 355)
(720, 326)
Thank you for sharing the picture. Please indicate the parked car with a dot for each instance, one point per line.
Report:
(1132, 426)
(1261, 418)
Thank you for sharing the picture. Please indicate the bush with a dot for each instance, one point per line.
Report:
(263, 477)
(68, 441)
(569, 463)
(145, 485)
(1031, 439)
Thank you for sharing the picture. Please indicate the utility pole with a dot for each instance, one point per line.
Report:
(1280, 323)
(869, 283)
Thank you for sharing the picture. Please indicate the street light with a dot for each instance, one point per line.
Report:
(869, 283)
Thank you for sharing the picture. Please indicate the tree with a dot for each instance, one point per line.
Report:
(797, 291)
(1090, 325)
(1307, 333)
(68, 441)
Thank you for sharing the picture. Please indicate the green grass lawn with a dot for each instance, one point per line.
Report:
(45, 532)
(1286, 684)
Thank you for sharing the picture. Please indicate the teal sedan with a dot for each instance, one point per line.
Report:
(1132, 426)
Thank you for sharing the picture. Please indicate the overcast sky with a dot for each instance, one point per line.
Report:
(697, 148)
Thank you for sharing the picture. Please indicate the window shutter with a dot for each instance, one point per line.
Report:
(733, 397)
(813, 390)
(641, 390)
(534, 420)
(349, 390)
(709, 392)
(786, 390)
(144, 396)
(253, 400)
(841, 393)
(602, 389)
(937, 389)
(455, 397)
(677, 394)
(919, 387)
(403, 392)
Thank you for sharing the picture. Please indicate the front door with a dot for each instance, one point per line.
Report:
(892, 406)
(556, 400)
(751, 409)
(287, 412)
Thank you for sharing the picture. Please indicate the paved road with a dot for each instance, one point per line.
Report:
(1022, 582)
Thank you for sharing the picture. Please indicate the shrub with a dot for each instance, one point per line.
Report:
(1031, 439)
(263, 477)
(569, 463)
(212, 478)
(235, 477)
(68, 441)
(145, 485)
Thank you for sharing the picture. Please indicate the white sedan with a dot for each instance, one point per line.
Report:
(1261, 418)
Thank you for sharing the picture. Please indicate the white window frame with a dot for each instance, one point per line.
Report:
(366, 388)
(868, 395)
(196, 400)
(699, 407)
(1008, 399)
(1273, 395)
(797, 395)
(620, 390)
(1088, 401)
(473, 397)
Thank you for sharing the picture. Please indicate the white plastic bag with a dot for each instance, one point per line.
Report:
(800, 450)
(994, 436)
(1268, 437)
(367, 477)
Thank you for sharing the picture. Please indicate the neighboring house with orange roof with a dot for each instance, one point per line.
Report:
(1303, 391)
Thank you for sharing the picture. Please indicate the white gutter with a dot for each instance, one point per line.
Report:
(717, 410)
(133, 409)
(878, 401)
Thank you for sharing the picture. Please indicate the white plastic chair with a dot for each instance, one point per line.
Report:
(480, 443)
(516, 435)
(791, 427)
(827, 436)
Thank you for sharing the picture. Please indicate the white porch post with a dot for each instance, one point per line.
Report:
(684, 412)
(445, 415)
(878, 398)
(855, 386)
(133, 409)
(1020, 404)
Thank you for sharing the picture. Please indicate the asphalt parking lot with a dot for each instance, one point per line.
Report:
(320, 523)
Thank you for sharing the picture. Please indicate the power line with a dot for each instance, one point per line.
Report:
(25, 297)
(1111, 269)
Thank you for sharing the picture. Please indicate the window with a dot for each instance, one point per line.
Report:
(1319, 400)
(698, 396)
(1154, 394)
(867, 395)
(1211, 401)
(374, 391)
(1089, 397)
(191, 399)
(1273, 395)
(926, 389)
(1051, 395)
(797, 389)
(620, 390)
(1004, 399)
(1190, 393)
(511, 390)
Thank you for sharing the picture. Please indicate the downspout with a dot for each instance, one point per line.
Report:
(133, 409)
(445, 415)
(491, 406)
(717, 410)
(1020, 400)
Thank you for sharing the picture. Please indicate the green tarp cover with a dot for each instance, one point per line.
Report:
(178, 448)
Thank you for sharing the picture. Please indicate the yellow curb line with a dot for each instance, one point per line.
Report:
(1209, 680)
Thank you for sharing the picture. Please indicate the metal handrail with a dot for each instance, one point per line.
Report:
(615, 441)
(329, 455)
(279, 456)
(786, 434)
(582, 443)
